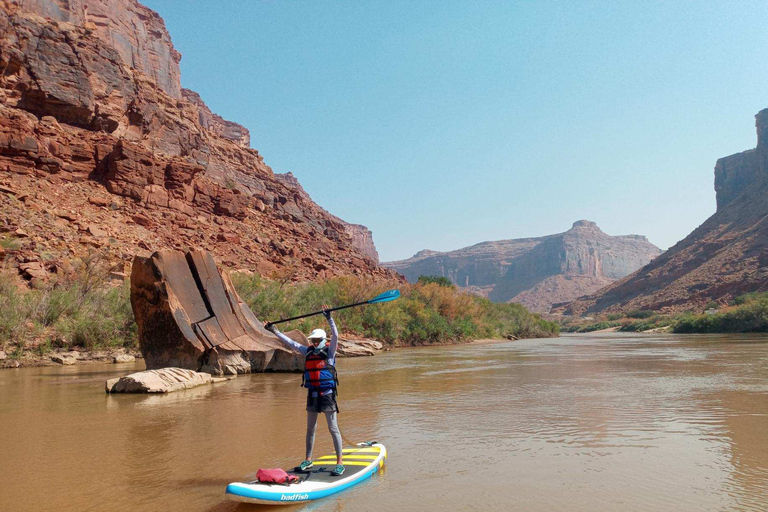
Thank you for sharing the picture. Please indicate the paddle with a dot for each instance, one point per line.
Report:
(382, 297)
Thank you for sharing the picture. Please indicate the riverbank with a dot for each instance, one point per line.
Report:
(86, 311)
(31, 359)
(744, 314)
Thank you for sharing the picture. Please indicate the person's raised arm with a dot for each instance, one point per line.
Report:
(334, 332)
(285, 339)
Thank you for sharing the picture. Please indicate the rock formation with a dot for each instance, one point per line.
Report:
(347, 347)
(216, 124)
(102, 150)
(724, 257)
(536, 272)
(190, 316)
(165, 380)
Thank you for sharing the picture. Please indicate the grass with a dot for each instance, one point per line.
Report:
(426, 313)
(9, 243)
(78, 311)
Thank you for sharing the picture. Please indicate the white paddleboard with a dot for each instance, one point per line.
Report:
(317, 482)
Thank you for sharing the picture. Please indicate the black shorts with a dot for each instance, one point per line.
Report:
(324, 403)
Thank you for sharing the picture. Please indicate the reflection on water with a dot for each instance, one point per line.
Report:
(584, 423)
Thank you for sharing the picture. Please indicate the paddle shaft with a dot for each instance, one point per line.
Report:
(318, 312)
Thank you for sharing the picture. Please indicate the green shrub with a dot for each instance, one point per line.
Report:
(749, 297)
(426, 313)
(103, 319)
(751, 316)
(439, 280)
(641, 313)
(9, 243)
(597, 326)
(79, 310)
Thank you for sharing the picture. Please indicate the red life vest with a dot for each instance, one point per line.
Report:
(319, 375)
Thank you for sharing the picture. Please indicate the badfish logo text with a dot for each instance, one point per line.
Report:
(293, 497)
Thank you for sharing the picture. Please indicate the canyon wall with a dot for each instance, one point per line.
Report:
(724, 257)
(536, 272)
(102, 150)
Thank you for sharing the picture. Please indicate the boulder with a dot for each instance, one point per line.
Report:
(124, 358)
(3, 355)
(65, 359)
(348, 349)
(165, 380)
(351, 347)
(96, 231)
(190, 316)
(99, 201)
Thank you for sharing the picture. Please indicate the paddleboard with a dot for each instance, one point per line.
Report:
(360, 462)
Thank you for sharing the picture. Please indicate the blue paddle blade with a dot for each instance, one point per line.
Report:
(385, 297)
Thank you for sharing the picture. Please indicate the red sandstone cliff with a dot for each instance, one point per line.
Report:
(724, 257)
(101, 149)
(537, 272)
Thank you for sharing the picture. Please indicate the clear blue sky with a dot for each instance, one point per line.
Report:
(440, 124)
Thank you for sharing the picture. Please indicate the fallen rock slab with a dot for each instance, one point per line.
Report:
(190, 316)
(165, 380)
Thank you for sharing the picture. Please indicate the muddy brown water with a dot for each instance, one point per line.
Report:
(585, 423)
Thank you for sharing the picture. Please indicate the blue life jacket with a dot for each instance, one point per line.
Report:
(319, 375)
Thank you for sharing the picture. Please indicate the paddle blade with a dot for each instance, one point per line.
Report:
(385, 297)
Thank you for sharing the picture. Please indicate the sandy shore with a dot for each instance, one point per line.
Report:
(489, 341)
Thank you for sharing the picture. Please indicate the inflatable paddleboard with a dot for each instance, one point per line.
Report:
(316, 482)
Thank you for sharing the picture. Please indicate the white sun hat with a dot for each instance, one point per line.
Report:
(317, 334)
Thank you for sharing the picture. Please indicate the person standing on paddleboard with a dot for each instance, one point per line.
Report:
(320, 380)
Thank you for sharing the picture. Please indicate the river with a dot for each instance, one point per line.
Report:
(600, 422)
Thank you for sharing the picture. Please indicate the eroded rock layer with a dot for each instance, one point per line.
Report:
(536, 272)
(190, 316)
(724, 257)
(101, 149)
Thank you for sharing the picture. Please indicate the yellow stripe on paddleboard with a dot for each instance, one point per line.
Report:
(350, 457)
(353, 463)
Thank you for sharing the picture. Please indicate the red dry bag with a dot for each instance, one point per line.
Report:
(275, 476)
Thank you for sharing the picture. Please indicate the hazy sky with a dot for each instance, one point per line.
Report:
(440, 124)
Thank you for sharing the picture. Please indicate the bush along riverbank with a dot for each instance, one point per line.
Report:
(747, 313)
(428, 312)
(85, 313)
(82, 311)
